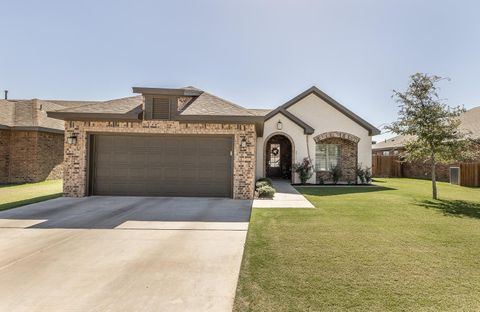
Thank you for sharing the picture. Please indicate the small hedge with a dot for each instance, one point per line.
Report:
(264, 188)
(266, 191)
(266, 180)
(261, 184)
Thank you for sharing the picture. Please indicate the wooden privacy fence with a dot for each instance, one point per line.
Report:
(470, 174)
(386, 166)
(392, 167)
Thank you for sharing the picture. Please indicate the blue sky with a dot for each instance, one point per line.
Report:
(255, 53)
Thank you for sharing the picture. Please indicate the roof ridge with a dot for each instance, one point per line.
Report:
(229, 102)
(98, 102)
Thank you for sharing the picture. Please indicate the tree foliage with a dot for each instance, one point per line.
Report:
(433, 126)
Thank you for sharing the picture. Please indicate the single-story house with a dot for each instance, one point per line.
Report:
(470, 123)
(187, 142)
(31, 144)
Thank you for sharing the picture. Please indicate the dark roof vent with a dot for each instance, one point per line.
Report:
(6, 94)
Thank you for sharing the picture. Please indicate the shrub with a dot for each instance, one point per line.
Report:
(335, 173)
(360, 174)
(304, 169)
(368, 175)
(267, 180)
(266, 191)
(365, 175)
(261, 184)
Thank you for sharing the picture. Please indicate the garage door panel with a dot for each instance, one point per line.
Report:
(162, 165)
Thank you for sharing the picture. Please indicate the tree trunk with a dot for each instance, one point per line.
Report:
(434, 178)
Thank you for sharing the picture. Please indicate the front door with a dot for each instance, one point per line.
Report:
(275, 161)
(278, 157)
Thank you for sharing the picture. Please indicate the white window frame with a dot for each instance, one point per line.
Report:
(331, 154)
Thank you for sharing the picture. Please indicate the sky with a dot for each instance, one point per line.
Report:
(256, 53)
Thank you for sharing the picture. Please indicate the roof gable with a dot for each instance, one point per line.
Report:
(322, 95)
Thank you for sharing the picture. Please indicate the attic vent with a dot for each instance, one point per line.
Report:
(161, 108)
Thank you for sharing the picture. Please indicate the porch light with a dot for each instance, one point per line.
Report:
(72, 139)
(279, 125)
(243, 143)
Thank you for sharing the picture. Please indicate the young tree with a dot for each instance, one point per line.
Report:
(432, 125)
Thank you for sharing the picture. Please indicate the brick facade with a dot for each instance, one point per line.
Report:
(422, 170)
(4, 155)
(30, 156)
(76, 155)
(348, 159)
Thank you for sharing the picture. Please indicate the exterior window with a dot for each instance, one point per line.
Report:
(386, 153)
(274, 155)
(326, 156)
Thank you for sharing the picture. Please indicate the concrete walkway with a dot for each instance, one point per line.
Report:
(122, 254)
(285, 197)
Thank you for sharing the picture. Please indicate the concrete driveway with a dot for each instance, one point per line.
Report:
(122, 254)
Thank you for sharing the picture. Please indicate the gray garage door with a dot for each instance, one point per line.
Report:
(161, 165)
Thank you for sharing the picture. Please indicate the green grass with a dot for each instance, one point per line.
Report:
(366, 249)
(15, 195)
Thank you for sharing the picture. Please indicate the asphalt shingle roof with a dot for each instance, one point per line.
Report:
(211, 105)
(470, 123)
(117, 106)
(29, 113)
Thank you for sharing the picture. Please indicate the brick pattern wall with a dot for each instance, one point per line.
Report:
(4, 155)
(23, 157)
(30, 156)
(348, 160)
(76, 155)
(49, 156)
(422, 170)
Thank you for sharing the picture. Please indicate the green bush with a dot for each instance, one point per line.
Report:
(361, 174)
(336, 173)
(304, 170)
(267, 180)
(266, 192)
(261, 184)
(365, 175)
(368, 175)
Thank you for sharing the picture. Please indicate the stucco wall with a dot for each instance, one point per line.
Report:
(76, 155)
(323, 118)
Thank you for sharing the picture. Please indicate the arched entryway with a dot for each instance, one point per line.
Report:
(278, 157)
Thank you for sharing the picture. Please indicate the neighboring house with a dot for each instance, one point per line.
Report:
(31, 144)
(470, 123)
(187, 142)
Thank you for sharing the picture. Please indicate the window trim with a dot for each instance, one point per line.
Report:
(318, 167)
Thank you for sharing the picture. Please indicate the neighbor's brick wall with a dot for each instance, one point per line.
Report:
(76, 156)
(348, 160)
(23, 157)
(422, 170)
(4, 155)
(34, 156)
(49, 156)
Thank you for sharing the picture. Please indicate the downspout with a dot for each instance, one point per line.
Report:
(308, 149)
(308, 154)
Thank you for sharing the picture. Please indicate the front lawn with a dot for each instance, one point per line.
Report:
(16, 195)
(366, 249)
